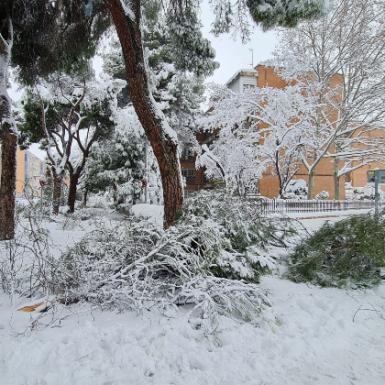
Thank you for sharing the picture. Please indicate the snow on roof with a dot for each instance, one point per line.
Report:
(266, 63)
(242, 72)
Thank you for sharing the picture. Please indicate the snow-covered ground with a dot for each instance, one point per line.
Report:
(308, 336)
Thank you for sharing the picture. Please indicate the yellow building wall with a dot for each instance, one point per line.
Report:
(20, 172)
(34, 173)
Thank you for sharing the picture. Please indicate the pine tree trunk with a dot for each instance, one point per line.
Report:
(8, 182)
(310, 186)
(85, 196)
(8, 138)
(114, 188)
(336, 179)
(161, 138)
(74, 179)
(57, 181)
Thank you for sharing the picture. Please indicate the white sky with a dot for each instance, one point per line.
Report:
(231, 54)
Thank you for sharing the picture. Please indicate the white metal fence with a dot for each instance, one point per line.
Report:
(286, 206)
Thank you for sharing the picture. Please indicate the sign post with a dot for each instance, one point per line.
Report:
(376, 182)
(378, 178)
(42, 182)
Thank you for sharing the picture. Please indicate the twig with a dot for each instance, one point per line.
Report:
(374, 310)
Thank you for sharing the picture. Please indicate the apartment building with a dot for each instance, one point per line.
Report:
(29, 169)
(263, 76)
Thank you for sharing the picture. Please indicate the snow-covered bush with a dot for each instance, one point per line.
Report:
(212, 259)
(366, 193)
(321, 196)
(296, 189)
(346, 253)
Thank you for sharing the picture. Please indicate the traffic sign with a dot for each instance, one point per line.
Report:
(371, 177)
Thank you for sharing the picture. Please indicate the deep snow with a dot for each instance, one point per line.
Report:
(307, 337)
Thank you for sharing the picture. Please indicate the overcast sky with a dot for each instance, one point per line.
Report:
(231, 54)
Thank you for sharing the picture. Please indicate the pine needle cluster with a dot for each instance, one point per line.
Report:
(346, 253)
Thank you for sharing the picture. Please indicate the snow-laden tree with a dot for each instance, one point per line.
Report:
(257, 129)
(192, 52)
(338, 61)
(37, 37)
(116, 160)
(74, 112)
(178, 93)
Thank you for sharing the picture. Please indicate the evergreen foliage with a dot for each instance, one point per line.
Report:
(242, 239)
(49, 37)
(345, 253)
(284, 13)
(115, 161)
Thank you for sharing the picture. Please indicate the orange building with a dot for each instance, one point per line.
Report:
(324, 180)
(263, 76)
(358, 177)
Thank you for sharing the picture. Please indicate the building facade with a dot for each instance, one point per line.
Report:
(29, 169)
(265, 76)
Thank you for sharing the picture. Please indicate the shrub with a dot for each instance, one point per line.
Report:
(345, 253)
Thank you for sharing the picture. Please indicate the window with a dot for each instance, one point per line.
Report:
(187, 152)
(188, 173)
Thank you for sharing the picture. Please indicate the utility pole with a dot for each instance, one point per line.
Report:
(252, 57)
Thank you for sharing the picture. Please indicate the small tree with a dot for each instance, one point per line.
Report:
(117, 160)
(69, 106)
(270, 124)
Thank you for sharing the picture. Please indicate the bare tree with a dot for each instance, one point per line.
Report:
(339, 62)
(272, 125)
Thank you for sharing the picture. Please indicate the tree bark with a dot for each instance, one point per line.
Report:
(310, 185)
(74, 179)
(161, 138)
(114, 188)
(57, 181)
(336, 177)
(8, 182)
(8, 138)
(85, 196)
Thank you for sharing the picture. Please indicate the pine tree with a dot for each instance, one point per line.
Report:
(117, 160)
(66, 106)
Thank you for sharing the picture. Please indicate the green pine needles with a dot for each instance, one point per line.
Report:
(235, 241)
(346, 253)
(285, 13)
